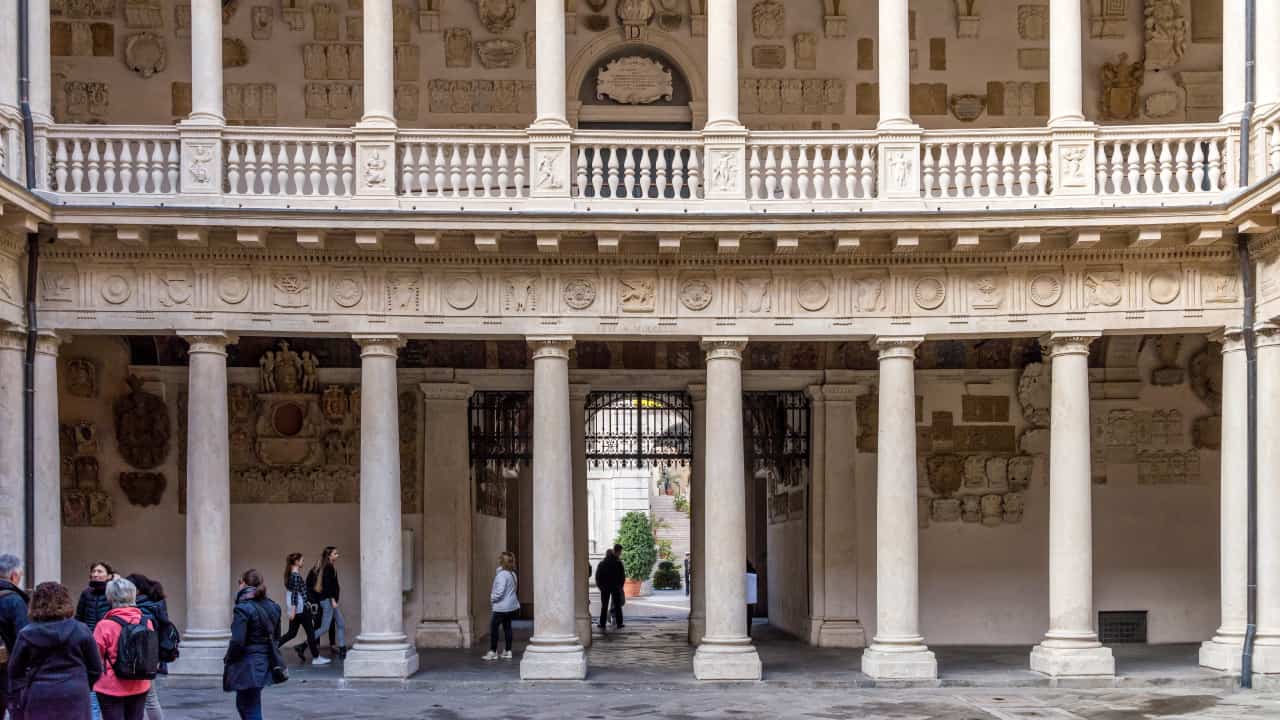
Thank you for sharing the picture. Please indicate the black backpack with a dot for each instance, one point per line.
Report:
(137, 650)
(169, 637)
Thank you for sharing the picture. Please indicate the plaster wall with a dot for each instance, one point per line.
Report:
(788, 576)
(489, 538)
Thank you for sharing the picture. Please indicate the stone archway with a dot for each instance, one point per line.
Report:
(657, 44)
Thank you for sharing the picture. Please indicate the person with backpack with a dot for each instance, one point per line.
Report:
(505, 603)
(13, 617)
(253, 660)
(322, 585)
(54, 661)
(130, 649)
(301, 611)
(151, 601)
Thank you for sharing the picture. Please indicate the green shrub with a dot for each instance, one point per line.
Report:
(666, 577)
(664, 550)
(636, 538)
(682, 504)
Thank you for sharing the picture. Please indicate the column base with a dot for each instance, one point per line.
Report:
(899, 662)
(1266, 656)
(554, 661)
(697, 629)
(837, 633)
(1222, 653)
(443, 634)
(583, 626)
(380, 660)
(202, 657)
(1073, 661)
(727, 661)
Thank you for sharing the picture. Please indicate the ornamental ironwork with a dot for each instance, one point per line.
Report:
(501, 425)
(639, 429)
(778, 434)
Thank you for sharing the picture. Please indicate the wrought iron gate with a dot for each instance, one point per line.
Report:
(778, 443)
(639, 429)
(500, 441)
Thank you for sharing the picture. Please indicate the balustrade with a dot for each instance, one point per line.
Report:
(811, 166)
(289, 163)
(989, 165)
(630, 166)
(115, 160)
(1162, 160)
(463, 165)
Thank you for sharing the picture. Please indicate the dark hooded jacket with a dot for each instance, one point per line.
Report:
(93, 605)
(255, 630)
(158, 611)
(59, 659)
(13, 616)
(610, 574)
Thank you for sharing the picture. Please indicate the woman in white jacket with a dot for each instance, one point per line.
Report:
(505, 605)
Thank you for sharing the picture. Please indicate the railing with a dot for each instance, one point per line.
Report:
(115, 160)
(811, 166)
(985, 164)
(637, 166)
(289, 162)
(1162, 160)
(461, 164)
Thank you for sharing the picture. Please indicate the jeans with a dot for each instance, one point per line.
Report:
(306, 622)
(332, 616)
(94, 708)
(249, 704)
(605, 597)
(500, 620)
(127, 707)
(153, 709)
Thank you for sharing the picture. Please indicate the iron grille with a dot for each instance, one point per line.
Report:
(639, 429)
(500, 429)
(777, 425)
(1122, 626)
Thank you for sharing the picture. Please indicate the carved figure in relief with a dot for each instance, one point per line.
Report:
(634, 15)
(548, 177)
(754, 294)
(1165, 24)
(82, 378)
(869, 294)
(267, 372)
(310, 366)
(375, 169)
(1121, 85)
(900, 169)
(638, 294)
(1103, 287)
(288, 369)
(142, 427)
(521, 294)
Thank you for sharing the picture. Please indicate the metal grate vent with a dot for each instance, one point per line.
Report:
(1122, 626)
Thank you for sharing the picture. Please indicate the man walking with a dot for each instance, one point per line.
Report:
(610, 576)
(13, 617)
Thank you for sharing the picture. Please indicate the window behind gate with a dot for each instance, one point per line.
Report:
(500, 436)
(778, 444)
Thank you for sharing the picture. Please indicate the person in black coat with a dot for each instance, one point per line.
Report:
(13, 612)
(55, 658)
(151, 601)
(93, 605)
(255, 631)
(610, 578)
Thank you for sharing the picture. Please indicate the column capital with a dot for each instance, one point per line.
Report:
(550, 346)
(1230, 338)
(47, 342)
(11, 338)
(1072, 343)
(379, 345)
(457, 392)
(1268, 335)
(207, 341)
(578, 392)
(891, 346)
(698, 392)
(724, 348)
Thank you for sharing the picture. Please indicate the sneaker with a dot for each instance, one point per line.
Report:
(302, 652)
(321, 661)
(507, 655)
(490, 656)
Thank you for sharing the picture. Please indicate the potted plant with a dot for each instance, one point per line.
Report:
(667, 577)
(638, 553)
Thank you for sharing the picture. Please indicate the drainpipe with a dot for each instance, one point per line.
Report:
(1251, 355)
(33, 259)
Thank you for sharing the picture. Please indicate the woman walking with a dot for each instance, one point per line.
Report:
(322, 583)
(55, 659)
(255, 629)
(299, 612)
(119, 698)
(151, 601)
(505, 603)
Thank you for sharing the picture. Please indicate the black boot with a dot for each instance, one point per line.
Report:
(302, 653)
(342, 652)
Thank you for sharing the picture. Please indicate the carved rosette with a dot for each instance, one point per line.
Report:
(724, 348)
(551, 347)
(897, 347)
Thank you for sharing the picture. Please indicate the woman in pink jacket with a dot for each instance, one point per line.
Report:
(119, 698)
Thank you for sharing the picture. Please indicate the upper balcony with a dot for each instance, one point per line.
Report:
(865, 108)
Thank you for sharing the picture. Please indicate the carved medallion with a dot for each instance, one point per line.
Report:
(968, 108)
(579, 293)
(461, 293)
(812, 294)
(290, 288)
(116, 288)
(634, 80)
(142, 427)
(696, 294)
(497, 16)
(1045, 290)
(1164, 286)
(929, 293)
(637, 293)
(145, 54)
(348, 291)
(233, 286)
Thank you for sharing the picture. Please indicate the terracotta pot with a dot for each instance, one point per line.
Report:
(632, 588)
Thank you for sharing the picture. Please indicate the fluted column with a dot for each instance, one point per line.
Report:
(581, 534)
(1233, 36)
(12, 482)
(1266, 651)
(1267, 68)
(698, 517)
(1071, 646)
(1066, 64)
(379, 65)
(209, 591)
(554, 653)
(898, 650)
(894, 49)
(726, 652)
(549, 73)
(206, 63)
(382, 650)
(1224, 650)
(722, 64)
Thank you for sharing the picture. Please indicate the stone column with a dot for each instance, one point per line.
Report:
(581, 534)
(549, 74)
(1267, 68)
(1071, 647)
(554, 653)
(834, 621)
(1224, 650)
(209, 590)
(382, 650)
(1233, 35)
(894, 49)
(206, 63)
(47, 563)
(379, 65)
(38, 39)
(722, 64)
(446, 519)
(1066, 64)
(10, 117)
(698, 517)
(726, 652)
(1266, 651)
(13, 344)
(898, 651)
